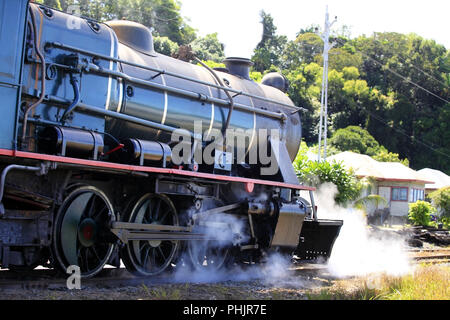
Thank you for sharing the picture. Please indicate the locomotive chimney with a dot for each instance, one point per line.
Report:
(239, 66)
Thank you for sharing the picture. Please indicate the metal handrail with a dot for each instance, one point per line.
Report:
(96, 69)
(161, 71)
(116, 115)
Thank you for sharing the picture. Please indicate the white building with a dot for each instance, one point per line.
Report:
(440, 179)
(396, 183)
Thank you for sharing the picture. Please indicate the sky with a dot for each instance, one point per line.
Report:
(237, 22)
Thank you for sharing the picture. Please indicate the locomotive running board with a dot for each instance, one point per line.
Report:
(144, 169)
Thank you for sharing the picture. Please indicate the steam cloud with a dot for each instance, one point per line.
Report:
(356, 251)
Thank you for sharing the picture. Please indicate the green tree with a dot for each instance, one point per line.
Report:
(209, 48)
(303, 50)
(164, 45)
(355, 139)
(385, 156)
(359, 140)
(51, 3)
(413, 117)
(163, 16)
(340, 58)
(269, 49)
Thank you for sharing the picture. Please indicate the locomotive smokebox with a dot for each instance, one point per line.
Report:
(239, 66)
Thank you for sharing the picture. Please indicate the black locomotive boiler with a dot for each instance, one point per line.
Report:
(89, 170)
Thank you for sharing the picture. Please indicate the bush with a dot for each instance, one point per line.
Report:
(420, 213)
(441, 200)
(164, 45)
(317, 173)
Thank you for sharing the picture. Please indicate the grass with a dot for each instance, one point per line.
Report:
(160, 293)
(428, 282)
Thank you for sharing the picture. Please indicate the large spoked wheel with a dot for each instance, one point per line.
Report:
(149, 258)
(208, 255)
(81, 236)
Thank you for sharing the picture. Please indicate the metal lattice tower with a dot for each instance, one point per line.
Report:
(323, 124)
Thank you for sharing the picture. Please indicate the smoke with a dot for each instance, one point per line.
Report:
(199, 261)
(224, 227)
(273, 272)
(206, 261)
(357, 251)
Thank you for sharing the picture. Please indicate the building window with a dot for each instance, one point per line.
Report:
(400, 194)
(417, 194)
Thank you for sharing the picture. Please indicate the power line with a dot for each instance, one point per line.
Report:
(396, 73)
(418, 69)
(412, 138)
(399, 75)
(395, 129)
(429, 75)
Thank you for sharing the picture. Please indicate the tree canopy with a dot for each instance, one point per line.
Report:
(359, 140)
(269, 50)
(161, 15)
(394, 86)
(209, 48)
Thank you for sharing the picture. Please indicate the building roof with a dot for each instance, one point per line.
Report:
(365, 166)
(439, 178)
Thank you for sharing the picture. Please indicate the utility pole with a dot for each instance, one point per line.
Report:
(323, 125)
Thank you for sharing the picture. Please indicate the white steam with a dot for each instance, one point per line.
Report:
(273, 272)
(356, 251)
(228, 229)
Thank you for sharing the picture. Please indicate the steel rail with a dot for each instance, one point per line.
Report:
(160, 71)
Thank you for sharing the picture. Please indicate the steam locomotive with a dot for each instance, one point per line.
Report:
(100, 138)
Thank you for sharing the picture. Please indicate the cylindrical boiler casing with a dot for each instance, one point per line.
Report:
(181, 112)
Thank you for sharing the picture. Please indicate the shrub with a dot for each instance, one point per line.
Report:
(317, 173)
(441, 200)
(420, 213)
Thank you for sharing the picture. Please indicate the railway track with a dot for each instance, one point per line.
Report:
(48, 279)
(432, 255)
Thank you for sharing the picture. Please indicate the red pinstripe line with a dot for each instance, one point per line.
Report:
(117, 166)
